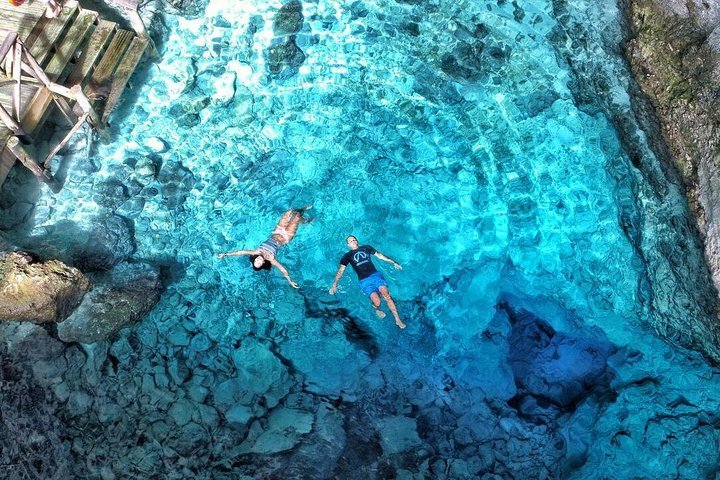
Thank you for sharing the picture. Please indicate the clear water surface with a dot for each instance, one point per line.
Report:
(487, 184)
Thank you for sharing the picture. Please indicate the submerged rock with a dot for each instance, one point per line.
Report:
(283, 59)
(289, 19)
(38, 292)
(398, 434)
(189, 8)
(120, 297)
(554, 367)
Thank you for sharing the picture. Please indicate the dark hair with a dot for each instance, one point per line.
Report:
(265, 266)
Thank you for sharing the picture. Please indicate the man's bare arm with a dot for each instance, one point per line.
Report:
(388, 259)
(339, 274)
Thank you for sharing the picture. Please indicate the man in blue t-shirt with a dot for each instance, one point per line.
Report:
(371, 281)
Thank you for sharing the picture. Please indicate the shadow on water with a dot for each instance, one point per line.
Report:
(18, 196)
(355, 332)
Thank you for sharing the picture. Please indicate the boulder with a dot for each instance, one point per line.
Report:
(120, 297)
(398, 434)
(99, 244)
(284, 58)
(554, 366)
(289, 19)
(38, 292)
(285, 425)
(189, 8)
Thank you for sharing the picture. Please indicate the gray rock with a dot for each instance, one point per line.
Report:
(258, 370)
(206, 415)
(110, 241)
(145, 170)
(109, 412)
(284, 58)
(121, 350)
(239, 415)
(110, 193)
(285, 425)
(289, 19)
(198, 393)
(79, 403)
(189, 8)
(179, 337)
(398, 434)
(200, 343)
(120, 297)
(38, 292)
(178, 371)
(181, 412)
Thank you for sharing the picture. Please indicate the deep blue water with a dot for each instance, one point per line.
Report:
(447, 135)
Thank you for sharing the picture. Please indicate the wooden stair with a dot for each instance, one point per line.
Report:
(76, 48)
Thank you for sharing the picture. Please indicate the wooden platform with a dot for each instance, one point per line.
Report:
(76, 49)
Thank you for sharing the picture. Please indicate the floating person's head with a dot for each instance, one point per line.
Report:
(259, 262)
(352, 242)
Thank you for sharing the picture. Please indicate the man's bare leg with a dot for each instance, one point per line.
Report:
(375, 299)
(391, 305)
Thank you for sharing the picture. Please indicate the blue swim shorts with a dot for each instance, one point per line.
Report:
(372, 284)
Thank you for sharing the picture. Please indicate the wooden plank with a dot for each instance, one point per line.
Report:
(23, 19)
(114, 53)
(37, 109)
(28, 91)
(7, 44)
(17, 74)
(10, 122)
(98, 40)
(41, 43)
(14, 145)
(7, 159)
(69, 45)
(122, 74)
(59, 146)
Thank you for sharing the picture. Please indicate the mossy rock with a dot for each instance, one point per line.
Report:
(38, 292)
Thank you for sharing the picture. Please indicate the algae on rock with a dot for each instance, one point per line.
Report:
(38, 292)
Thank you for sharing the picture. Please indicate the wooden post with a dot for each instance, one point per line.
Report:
(35, 68)
(10, 122)
(139, 28)
(7, 44)
(13, 144)
(84, 103)
(17, 73)
(131, 9)
(59, 146)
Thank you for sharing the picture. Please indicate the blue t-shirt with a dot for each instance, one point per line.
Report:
(360, 261)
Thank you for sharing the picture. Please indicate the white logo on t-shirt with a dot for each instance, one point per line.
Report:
(360, 258)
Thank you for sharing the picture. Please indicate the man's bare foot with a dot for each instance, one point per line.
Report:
(399, 323)
(379, 313)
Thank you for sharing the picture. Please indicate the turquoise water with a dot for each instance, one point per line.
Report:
(446, 135)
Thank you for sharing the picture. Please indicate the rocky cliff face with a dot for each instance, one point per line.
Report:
(675, 57)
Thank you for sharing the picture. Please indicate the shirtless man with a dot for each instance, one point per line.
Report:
(372, 282)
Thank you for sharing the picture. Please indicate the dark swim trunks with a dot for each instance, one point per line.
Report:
(372, 284)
